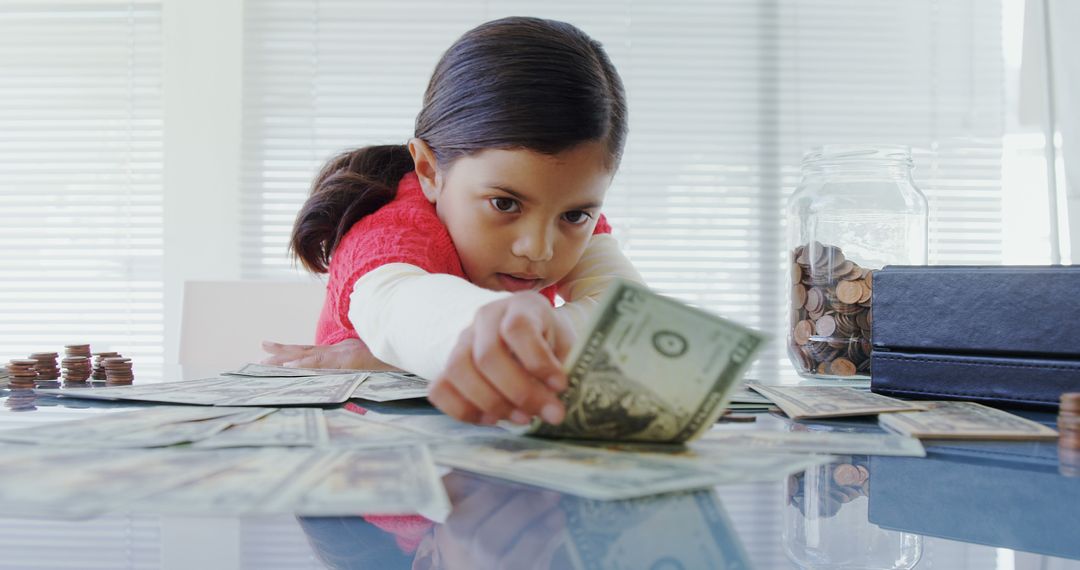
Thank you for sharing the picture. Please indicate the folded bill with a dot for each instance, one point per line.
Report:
(800, 402)
(965, 420)
(651, 369)
(391, 386)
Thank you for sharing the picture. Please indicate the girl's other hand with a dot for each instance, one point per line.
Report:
(507, 364)
(350, 353)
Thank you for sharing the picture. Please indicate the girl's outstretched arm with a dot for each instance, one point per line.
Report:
(600, 264)
(489, 354)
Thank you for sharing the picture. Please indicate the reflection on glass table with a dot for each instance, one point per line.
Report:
(495, 524)
(1003, 494)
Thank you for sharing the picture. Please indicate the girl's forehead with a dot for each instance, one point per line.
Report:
(579, 173)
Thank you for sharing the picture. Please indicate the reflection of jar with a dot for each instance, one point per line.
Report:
(826, 522)
(855, 210)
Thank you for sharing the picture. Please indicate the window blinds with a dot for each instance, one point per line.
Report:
(724, 99)
(80, 178)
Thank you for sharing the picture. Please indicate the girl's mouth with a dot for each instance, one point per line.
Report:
(512, 283)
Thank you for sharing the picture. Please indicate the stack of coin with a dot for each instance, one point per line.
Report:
(831, 314)
(77, 350)
(76, 369)
(47, 367)
(1068, 424)
(22, 373)
(99, 364)
(118, 371)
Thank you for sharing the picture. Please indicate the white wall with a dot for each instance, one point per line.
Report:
(202, 77)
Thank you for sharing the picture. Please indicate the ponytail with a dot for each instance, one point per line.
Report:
(352, 185)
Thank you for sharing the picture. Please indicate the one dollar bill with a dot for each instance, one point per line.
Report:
(652, 369)
(800, 402)
(965, 420)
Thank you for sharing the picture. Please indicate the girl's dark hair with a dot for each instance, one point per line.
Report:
(514, 83)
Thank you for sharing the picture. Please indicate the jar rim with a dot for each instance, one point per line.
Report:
(899, 155)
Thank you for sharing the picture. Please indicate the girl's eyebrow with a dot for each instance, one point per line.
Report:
(527, 200)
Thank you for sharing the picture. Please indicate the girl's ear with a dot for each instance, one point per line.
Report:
(426, 169)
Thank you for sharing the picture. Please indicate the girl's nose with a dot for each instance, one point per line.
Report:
(535, 244)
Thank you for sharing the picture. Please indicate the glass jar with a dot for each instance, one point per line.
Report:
(855, 210)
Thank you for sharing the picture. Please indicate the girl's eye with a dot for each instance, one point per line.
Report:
(577, 217)
(506, 205)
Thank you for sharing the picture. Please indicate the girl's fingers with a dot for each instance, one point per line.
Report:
(451, 402)
(525, 338)
(495, 361)
(473, 385)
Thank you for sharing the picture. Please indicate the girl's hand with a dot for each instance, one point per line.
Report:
(350, 353)
(507, 364)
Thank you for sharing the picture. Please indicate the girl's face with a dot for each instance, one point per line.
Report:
(520, 220)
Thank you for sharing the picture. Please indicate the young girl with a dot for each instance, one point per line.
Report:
(445, 255)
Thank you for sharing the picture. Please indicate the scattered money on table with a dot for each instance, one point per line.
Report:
(800, 402)
(965, 420)
(839, 443)
(650, 368)
(232, 391)
(315, 482)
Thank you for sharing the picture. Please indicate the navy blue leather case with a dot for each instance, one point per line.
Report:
(1001, 335)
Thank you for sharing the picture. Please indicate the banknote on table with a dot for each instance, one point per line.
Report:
(148, 427)
(350, 429)
(286, 427)
(230, 391)
(682, 530)
(801, 402)
(578, 470)
(839, 443)
(650, 369)
(965, 420)
(271, 371)
(391, 386)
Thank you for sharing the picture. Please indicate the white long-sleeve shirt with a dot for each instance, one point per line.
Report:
(412, 319)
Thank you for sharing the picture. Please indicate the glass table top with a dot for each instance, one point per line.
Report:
(994, 505)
